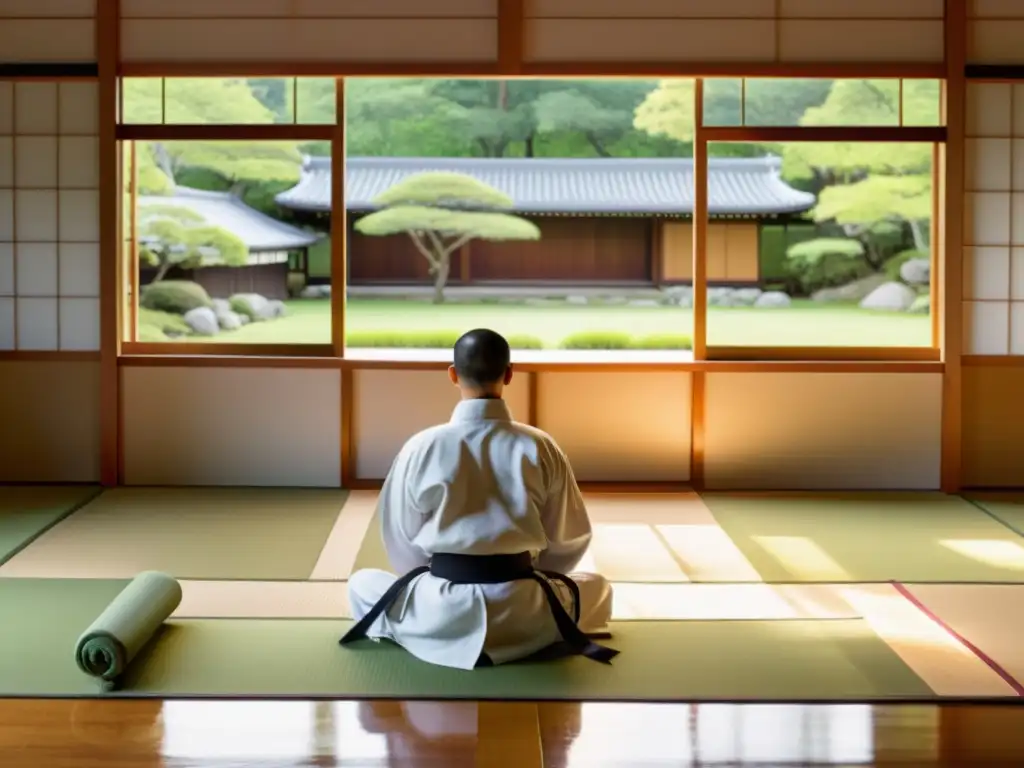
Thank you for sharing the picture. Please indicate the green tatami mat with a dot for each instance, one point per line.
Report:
(28, 510)
(1007, 507)
(371, 552)
(792, 660)
(197, 533)
(830, 537)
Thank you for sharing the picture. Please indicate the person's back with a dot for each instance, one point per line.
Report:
(469, 509)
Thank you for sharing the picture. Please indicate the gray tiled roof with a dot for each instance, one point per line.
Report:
(554, 185)
(222, 209)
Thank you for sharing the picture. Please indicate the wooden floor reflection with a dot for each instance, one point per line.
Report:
(180, 734)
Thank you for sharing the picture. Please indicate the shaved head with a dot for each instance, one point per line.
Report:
(482, 358)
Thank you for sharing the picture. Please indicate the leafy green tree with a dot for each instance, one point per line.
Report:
(498, 118)
(668, 109)
(195, 100)
(255, 170)
(172, 236)
(441, 212)
(862, 186)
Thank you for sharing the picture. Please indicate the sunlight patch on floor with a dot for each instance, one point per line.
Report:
(994, 552)
(943, 662)
(803, 558)
(707, 553)
(632, 553)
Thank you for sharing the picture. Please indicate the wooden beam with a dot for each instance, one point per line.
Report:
(779, 365)
(698, 381)
(951, 268)
(894, 134)
(108, 48)
(511, 36)
(256, 132)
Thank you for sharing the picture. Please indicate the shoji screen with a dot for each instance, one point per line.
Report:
(736, 30)
(994, 226)
(47, 31)
(49, 219)
(995, 29)
(308, 30)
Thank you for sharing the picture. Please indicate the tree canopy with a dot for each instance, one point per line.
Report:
(172, 236)
(441, 212)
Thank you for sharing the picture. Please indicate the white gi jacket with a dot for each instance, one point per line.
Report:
(481, 484)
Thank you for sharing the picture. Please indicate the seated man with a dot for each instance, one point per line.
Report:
(482, 515)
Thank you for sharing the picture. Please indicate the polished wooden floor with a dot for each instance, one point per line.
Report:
(180, 734)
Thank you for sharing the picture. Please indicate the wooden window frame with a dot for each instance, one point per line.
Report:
(512, 62)
(702, 352)
(704, 135)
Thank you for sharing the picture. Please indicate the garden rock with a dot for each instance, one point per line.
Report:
(221, 305)
(890, 297)
(256, 303)
(745, 297)
(854, 291)
(721, 297)
(922, 305)
(579, 300)
(276, 309)
(773, 300)
(916, 271)
(315, 292)
(203, 321)
(230, 321)
(645, 303)
(678, 295)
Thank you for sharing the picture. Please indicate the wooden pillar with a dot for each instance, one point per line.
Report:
(951, 264)
(111, 253)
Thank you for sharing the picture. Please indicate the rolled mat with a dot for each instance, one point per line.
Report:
(108, 646)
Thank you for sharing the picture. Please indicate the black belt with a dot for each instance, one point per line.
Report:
(494, 569)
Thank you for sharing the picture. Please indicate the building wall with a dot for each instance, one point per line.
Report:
(732, 251)
(231, 426)
(614, 249)
(49, 422)
(993, 259)
(282, 426)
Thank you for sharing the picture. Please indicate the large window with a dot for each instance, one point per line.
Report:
(827, 240)
(533, 207)
(562, 213)
(846, 262)
(213, 256)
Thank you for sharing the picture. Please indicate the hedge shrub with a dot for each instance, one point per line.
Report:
(619, 340)
(174, 296)
(892, 266)
(425, 340)
(155, 325)
(241, 306)
(597, 340)
(662, 341)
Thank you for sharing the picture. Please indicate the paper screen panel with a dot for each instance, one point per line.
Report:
(389, 407)
(51, 421)
(49, 216)
(309, 30)
(617, 426)
(994, 31)
(822, 431)
(231, 426)
(993, 259)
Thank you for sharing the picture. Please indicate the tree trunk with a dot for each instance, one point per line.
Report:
(162, 271)
(528, 146)
(920, 244)
(601, 151)
(441, 278)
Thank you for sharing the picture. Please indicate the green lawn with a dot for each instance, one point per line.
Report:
(804, 324)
